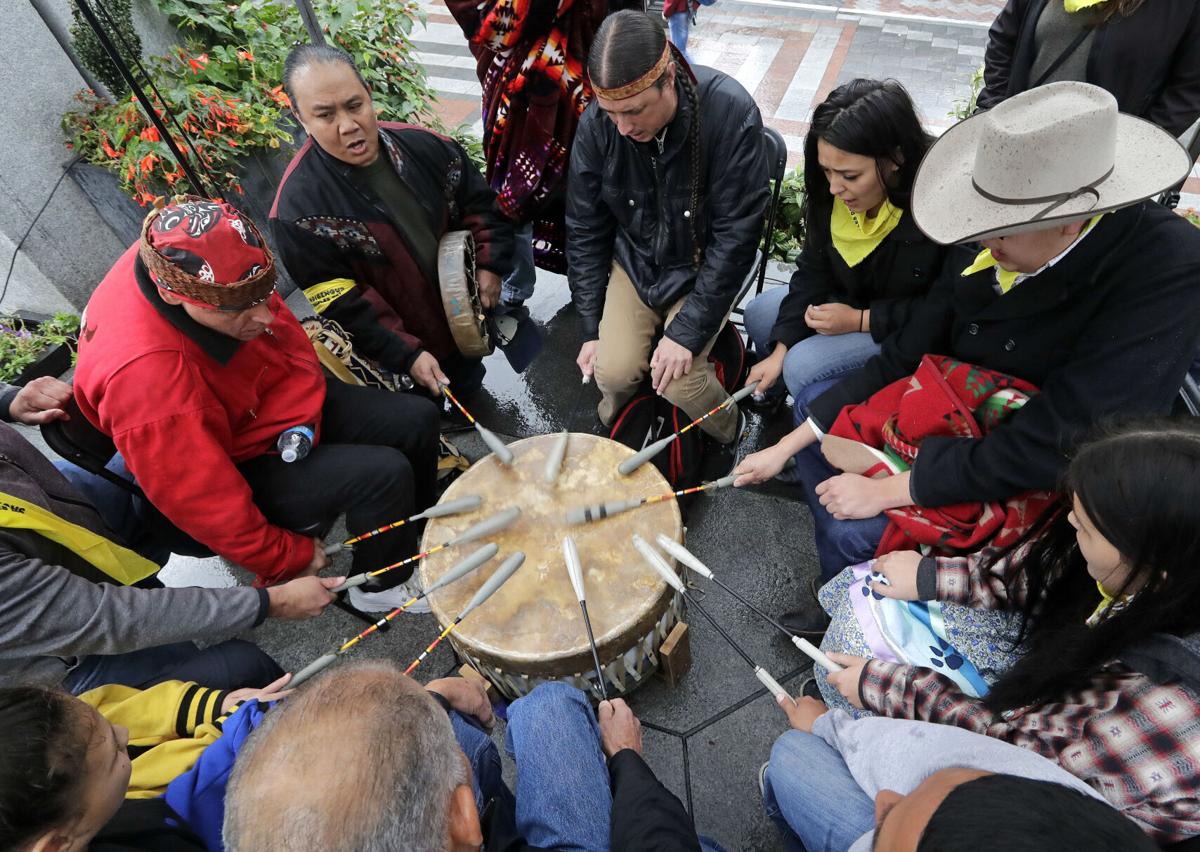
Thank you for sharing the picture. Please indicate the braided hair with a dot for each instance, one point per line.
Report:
(871, 118)
(627, 45)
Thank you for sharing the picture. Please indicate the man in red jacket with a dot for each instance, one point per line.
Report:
(195, 367)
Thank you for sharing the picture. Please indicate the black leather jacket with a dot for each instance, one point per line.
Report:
(626, 203)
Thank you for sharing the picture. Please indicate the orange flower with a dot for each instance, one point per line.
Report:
(280, 97)
(146, 198)
(108, 149)
(150, 134)
(198, 62)
(147, 163)
(245, 55)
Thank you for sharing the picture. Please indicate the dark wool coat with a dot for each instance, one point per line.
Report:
(1110, 329)
(1150, 61)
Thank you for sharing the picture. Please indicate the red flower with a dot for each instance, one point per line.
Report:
(147, 163)
(245, 55)
(198, 62)
(280, 97)
(108, 149)
(150, 134)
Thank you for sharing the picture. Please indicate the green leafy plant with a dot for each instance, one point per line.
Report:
(118, 26)
(225, 87)
(473, 145)
(964, 107)
(1191, 214)
(21, 343)
(789, 217)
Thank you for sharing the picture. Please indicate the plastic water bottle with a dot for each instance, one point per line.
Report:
(295, 443)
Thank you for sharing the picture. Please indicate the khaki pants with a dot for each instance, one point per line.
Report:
(627, 330)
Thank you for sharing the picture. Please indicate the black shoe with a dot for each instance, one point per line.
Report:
(811, 624)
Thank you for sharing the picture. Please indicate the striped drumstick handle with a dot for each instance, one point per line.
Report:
(457, 404)
(729, 402)
(432, 645)
(408, 561)
(381, 624)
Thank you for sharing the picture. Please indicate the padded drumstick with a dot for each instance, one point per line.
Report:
(454, 507)
(668, 573)
(507, 568)
(555, 459)
(479, 557)
(600, 511)
(489, 525)
(575, 572)
(645, 454)
(503, 453)
(689, 559)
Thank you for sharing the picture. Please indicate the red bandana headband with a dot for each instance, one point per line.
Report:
(641, 84)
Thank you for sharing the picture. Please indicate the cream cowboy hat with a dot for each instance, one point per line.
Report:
(1057, 153)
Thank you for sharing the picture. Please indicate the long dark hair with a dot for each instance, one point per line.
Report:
(1140, 486)
(303, 55)
(871, 118)
(627, 45)
(42, 755)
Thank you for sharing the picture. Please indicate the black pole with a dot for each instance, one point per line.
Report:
(193, 176)
(309, 17)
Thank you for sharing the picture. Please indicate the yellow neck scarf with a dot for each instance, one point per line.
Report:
(1076, 5)
(1004, 277)
(1109, 605)
(855, 236)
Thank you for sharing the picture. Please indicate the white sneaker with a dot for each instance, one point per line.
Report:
(389, 599)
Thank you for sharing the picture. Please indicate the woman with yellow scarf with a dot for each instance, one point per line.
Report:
(864, 265)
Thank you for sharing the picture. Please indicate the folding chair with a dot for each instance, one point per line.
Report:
(776, 152)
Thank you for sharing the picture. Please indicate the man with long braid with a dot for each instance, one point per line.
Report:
(665, 203)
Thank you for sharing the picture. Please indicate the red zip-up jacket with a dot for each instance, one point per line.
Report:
(185, 405)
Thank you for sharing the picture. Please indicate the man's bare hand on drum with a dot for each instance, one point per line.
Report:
(587, 358)
(489, 288)
(670, 362)
(465, 696)
(426, 372)
(619, 728)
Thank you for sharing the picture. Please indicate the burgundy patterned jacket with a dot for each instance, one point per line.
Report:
(330, 232)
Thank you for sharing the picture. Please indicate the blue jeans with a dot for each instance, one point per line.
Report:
(815, 359)
(563, 799)
(677, 26)
(234, 664)
(839, 543)
(812, 797)
(518, 286)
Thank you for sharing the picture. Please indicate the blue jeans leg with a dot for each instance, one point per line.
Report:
(518, 286)
(677, 26)
(563, 796)
(822, 357)
(761, 313)
(839, 543)
(812, 797)
(233, 664)
(483, 756)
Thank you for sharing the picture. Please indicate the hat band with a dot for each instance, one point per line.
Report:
(619, 93)
(1055, 201)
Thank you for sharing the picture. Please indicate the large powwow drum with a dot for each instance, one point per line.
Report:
(460, 295)
(531, 630)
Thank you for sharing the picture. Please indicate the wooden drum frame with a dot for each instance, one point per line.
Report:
(532, 630)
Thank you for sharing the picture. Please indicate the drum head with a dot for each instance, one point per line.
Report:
(533, 623)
